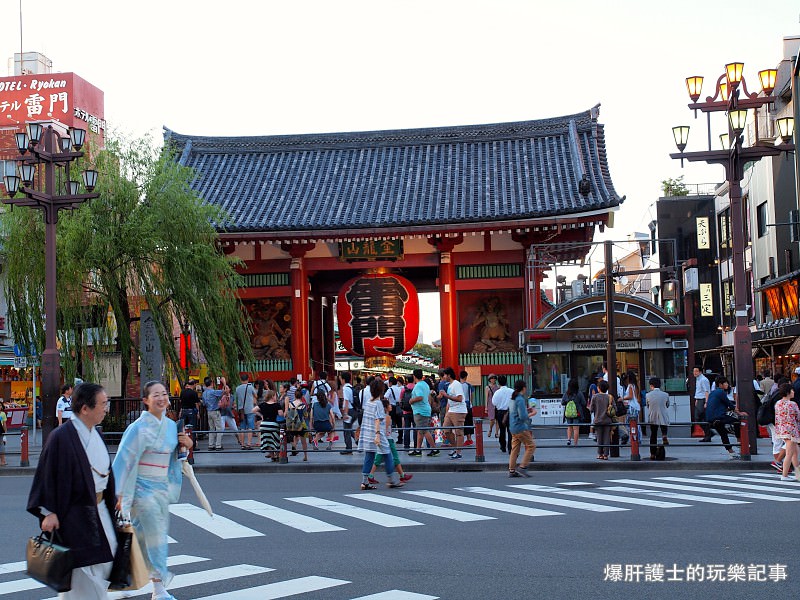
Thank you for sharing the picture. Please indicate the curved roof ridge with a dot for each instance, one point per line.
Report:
(389, 137)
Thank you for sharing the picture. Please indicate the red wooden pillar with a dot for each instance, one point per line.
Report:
(299, 308)
(447, 299)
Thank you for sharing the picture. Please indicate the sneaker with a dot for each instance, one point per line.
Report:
(593, 436)
(523, 472)
(372, 480)
(783, 478)
(733, 456)
(164, 596)
(399, 484)
(569, 442)
(329, 446)
(431, 453)
(452, 454)
(469, 443)
(514, 474)
(456, 457)
(406, 477)
(416, 453)
(778, 466)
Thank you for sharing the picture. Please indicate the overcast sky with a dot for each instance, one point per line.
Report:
(260, 67)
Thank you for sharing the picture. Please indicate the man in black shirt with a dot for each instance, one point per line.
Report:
(190, 404)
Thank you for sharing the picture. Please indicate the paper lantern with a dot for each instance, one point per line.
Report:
(378, 315)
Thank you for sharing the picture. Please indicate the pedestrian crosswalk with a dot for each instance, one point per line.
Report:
(333, 513)
(253, 582)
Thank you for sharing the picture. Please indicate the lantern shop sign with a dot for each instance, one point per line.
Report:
(378, 315)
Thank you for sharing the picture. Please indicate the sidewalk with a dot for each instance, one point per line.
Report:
(552, 454)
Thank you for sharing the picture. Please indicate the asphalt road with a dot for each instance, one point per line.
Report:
(551, 542)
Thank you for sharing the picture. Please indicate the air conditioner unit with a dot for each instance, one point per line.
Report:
(680, 344)
(533, 348)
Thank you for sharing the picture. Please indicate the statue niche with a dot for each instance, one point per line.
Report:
(491, 324)
(271, 328)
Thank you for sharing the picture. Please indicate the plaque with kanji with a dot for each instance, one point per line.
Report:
(371, 250)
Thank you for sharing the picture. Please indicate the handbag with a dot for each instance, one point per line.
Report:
(49, 562)
(611, 409)
(129, 571)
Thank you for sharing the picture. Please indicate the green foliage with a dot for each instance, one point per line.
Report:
(435, 354)
(674, 187)
(147, 241)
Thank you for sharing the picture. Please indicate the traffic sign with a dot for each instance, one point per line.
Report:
(20, 362)
(18, 351)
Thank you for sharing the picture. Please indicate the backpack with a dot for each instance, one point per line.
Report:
(321, 392)
(405, 400)
(766, 412)
(571, 411)
(355, 408)
(293, 420)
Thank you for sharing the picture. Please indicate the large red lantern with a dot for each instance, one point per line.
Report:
(378, 315)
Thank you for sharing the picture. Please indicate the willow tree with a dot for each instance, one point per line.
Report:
(148, 241)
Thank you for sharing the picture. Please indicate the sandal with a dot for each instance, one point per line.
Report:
(368, 486)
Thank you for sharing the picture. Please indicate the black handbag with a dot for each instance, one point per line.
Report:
(49, 562)
(120, 576)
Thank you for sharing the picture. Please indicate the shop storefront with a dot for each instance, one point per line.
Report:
(570, 342)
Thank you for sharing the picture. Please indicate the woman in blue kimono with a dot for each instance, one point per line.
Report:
(148, 474)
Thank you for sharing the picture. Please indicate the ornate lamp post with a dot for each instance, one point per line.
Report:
(43, 168)
(732, 97)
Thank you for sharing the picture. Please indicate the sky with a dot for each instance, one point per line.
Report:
(264, 67)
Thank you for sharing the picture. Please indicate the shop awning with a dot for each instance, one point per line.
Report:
(795, 347)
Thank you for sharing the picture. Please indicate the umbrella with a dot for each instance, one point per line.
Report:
(188, 472)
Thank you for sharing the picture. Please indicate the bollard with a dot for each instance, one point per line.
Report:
(189, 430)
(283, 457)
(479, 457)
(633, 425)
(744, 440)
(23, 447)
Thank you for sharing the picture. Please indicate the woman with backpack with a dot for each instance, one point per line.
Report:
(574, 404)
(322, 415)
(296, 412)
(269, 409)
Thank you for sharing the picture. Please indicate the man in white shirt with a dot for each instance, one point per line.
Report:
(64, 405)
(456, 412)
(620, 391)
(244, 400)
(702, 389)
(502, 400)
(348, 420)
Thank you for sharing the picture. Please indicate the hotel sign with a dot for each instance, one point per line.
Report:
(703, 234)
(620, 345)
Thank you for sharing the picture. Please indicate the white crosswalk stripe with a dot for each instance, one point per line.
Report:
(397, 595)
(14, 567)
(280, 589)
(284, 517)
(356, 512)
(705, 490)
(776, 480)
(477, 502)
(543, 499)
(737, 485)
(217, 525)
(597, 496)
(674, 495)
(427, 509)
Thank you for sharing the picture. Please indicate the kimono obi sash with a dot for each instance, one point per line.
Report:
(154, 465)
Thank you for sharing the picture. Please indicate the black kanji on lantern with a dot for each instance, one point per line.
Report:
(377, 305)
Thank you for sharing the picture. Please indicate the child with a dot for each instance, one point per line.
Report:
(404, 477)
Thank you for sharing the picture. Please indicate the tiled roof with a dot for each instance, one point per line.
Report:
(436, 176)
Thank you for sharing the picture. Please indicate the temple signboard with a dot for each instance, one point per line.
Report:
(371, 250)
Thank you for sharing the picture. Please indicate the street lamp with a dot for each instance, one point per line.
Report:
(44, 169)
(731, 96)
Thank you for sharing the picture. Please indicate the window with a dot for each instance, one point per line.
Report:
(761, 219)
